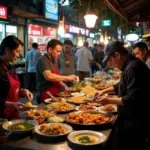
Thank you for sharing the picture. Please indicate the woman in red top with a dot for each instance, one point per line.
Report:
(10, 90)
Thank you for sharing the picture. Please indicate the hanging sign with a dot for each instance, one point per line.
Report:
(3, 12)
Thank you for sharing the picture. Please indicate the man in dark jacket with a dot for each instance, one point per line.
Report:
(133, 92)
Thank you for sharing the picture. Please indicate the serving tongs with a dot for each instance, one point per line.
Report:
(52, 97)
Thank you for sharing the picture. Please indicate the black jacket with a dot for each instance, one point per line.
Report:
(134, 88)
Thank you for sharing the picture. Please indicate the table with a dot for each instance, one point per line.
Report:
(29, 143)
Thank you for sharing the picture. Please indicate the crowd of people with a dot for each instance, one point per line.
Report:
(59, 67)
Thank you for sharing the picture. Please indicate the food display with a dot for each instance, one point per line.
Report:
(64, 94)
(88, 90)
(57, 99)
(96, 79)
(86, 137)
(88, 118)
(39, 113)
(2, 121)
(61, 106)
(52, 129)
(85, 107)
(20, 126)
(77, 94)
(76, 87)
(108, 108)
(94, 104)
(55, 119)
(100, 86)
(79, 99)
(29, 104)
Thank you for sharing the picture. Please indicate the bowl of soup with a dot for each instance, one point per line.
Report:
(2, 121)
(86, 139)
(20, 126)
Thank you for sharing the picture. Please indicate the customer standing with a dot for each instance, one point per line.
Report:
(10, 89)
(84, 58)
(32, 57)
(99, 56)
(148, 42)
(67, 61)
(141, 52)
(47, 71)
(133, 102)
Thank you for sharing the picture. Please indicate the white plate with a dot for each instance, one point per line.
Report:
(69, 129)
(95, 108)
(101, 109)
(49, 100)
(77, 94)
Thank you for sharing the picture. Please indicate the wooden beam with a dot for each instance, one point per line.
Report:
(129, 2)
(120, 7)
(141, 9)
(134, 5)
(116, 10)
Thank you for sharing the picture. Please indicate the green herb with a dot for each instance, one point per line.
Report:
(20, 126)
(84, 139)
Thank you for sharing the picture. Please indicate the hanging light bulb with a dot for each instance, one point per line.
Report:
(61, 30)
(90, 17)
(102, 39)
(106, 40)
(90, 20)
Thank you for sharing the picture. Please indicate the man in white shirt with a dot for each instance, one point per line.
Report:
(84, 57)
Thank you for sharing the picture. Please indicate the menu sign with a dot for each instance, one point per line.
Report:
(42, 48)
(76, 30)
(50, 32)
(34, 30)
(3, 12)
(51, 10)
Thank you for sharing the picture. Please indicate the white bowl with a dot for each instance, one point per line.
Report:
(7, 124)
(98, 136)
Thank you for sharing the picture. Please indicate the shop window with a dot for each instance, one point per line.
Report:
(2, 32)
(11, 30)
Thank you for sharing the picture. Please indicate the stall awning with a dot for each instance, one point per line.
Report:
(24, 14)
(131, 10)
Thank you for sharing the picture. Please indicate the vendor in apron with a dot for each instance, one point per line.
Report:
(9, 84)
(47, 72)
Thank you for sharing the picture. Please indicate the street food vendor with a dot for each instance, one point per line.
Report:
(134, 99)
(10, 90)
(47, 72)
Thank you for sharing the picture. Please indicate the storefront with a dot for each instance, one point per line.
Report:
(3, 20)
(11, 26)
(77, 34)
(41, 35)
